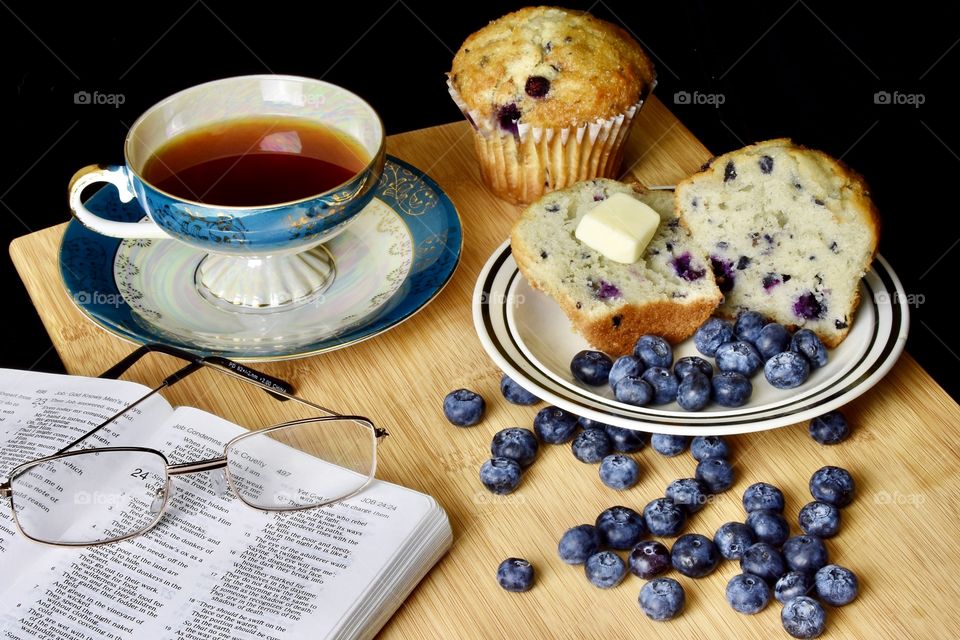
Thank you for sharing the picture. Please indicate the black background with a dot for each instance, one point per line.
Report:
(808, 70)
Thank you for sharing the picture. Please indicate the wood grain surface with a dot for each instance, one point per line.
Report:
(899, 535)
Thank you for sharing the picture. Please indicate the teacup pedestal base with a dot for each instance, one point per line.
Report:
(265, 284)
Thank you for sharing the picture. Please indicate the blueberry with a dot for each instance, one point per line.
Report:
(807, 344)
(770, 281)
(687, 493)
(716, 474)
(804, 553)
(662, 599)
(591, 367)
(792, 584)
(517, 444)
(626, 440)
(731, 389)
(669, 445)
(832, 485)
(649, 558)
(553, 425)
(682, 264)
(516, 394)
(739, 356)
(687, 364)
(654, 351)
(605, 569)
(508, 115)
(748, 326)
(663, 383)
(711, 334)
(500, 475)
(787, 370)
(591, 446)
(747, 593)
(768, 526)
(463, 407)
(729, 172)
(664, 518)
(820, 519)
(723, 273)
(761, 496)
(536, 86)
(605, 290)
(830, 428)
(836, 585)
(619, 472)
(766, 164)
(625, 366)
(706, 447)
(633, 390)
(579, 543)
(772, 339)
(803, 617)
(620, 527)
(515, 574)
(809, 307)
(693, 392)
(763, 560)
(732, 539)
(694, 555)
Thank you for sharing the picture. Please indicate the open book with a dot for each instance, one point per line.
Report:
(213, 567)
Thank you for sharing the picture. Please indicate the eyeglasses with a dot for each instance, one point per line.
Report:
(99, 495)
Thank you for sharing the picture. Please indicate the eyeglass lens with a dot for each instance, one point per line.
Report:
(91, 497)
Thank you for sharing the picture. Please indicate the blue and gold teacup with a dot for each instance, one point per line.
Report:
(259, 257)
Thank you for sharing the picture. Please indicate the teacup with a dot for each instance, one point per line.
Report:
(260, 257)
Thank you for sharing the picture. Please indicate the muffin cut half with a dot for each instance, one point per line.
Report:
(669, 291)
(789, 232)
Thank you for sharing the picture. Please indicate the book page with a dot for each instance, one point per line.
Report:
(215, 567)
(42, 412)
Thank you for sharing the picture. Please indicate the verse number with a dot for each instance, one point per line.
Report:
(139, 473)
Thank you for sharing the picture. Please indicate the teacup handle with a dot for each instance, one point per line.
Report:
(117, 176)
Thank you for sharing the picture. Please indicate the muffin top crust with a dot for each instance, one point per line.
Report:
(550, 67)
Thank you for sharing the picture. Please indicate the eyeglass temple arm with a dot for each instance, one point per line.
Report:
(244, 371)
(195, 363)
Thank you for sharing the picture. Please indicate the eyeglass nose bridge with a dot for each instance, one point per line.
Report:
(197, 467)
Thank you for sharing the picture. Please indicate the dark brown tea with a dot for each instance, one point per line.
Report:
(255, 161)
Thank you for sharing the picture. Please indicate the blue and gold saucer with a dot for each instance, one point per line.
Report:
(391, 262)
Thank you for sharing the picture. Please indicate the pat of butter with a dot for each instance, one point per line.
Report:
(620, 228)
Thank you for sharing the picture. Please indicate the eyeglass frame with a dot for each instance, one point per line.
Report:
(275, 387)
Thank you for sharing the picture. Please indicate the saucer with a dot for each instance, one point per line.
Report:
(391, 262)
(530, 338)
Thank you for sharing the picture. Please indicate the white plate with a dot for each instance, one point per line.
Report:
(527, 334)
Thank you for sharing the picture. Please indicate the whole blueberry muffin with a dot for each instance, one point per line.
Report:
(789, 232)
(551, 94)
(669, 291)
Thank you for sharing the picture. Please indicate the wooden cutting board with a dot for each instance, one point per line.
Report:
(900, 535)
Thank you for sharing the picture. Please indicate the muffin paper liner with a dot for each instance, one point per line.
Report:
(522, 166)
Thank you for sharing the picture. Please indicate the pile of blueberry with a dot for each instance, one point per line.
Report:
(793, 569)
(740, 349)
(621, 528)
(790, 568)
